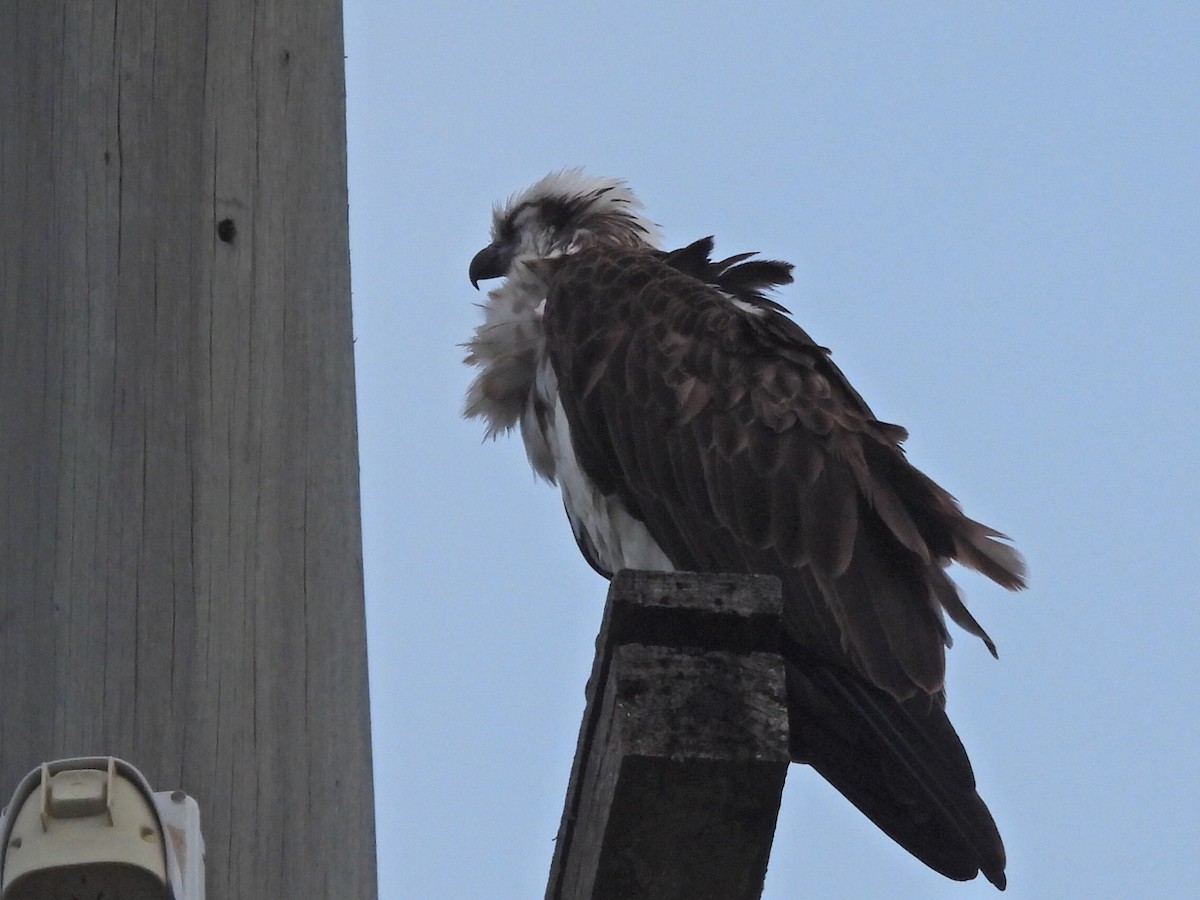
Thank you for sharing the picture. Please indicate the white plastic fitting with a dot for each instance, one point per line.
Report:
(91, 826)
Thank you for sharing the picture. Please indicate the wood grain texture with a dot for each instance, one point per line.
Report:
(682, 753)
(180, 548)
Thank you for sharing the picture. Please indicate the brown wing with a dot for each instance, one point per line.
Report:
(741, 446)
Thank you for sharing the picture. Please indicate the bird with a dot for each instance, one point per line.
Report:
(692, 425)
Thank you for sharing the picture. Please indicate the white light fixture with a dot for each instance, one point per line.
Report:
(92, 827)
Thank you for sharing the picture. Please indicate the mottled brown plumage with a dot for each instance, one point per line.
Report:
(740, 445)
(692, 425)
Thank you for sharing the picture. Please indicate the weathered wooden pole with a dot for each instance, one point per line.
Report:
(683, 749)
(180, 553)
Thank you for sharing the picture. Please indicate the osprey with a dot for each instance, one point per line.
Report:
(693, 426)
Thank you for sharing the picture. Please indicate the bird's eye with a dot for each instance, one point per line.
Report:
(506, 232)
(514, 223)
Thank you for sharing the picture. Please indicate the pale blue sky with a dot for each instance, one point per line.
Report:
(994, 209)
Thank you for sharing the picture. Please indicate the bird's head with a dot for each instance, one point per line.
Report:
(560, 214)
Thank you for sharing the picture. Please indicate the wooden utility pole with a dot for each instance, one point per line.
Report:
(180, 551)
(683, 749)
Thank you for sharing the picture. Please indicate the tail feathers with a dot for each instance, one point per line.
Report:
(901, 764)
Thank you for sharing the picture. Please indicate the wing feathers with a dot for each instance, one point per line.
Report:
(691, 396)
(948, 596)
(978, 549)
(830, 516)
(902, 765)
(741, 447)
(687, 405)
(888, 505)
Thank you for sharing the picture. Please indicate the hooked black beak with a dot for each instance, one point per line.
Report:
(490, 262)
